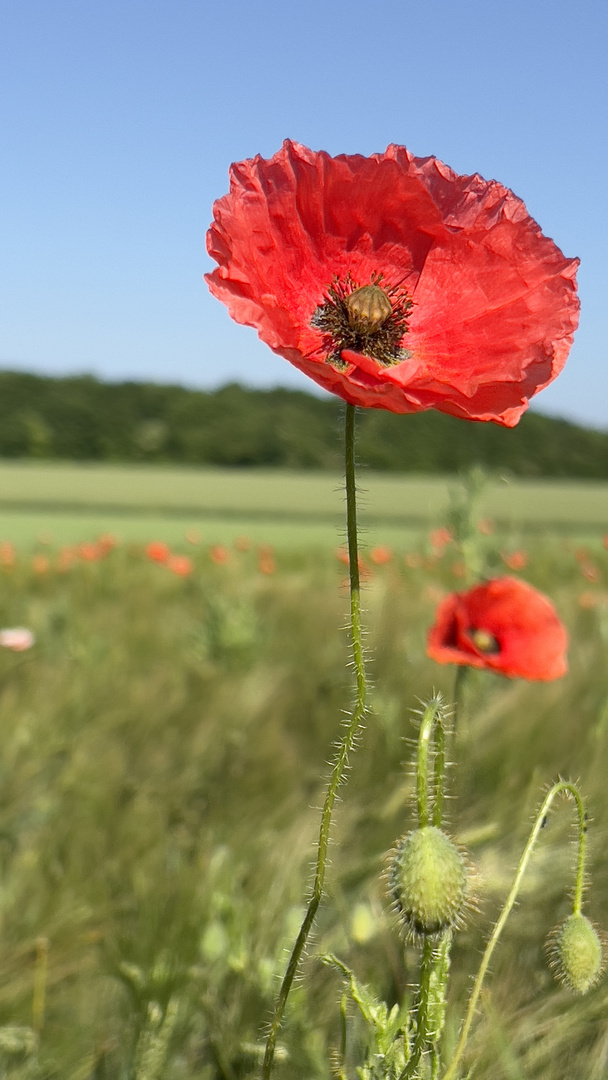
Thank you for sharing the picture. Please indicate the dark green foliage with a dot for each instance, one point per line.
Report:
(80, 418)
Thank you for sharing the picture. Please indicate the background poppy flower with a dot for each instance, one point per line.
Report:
(515, 560)
(181, 565)
(394, 282)
(158, 552)
(504, 625)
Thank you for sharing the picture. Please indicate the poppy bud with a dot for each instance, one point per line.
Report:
(575, 953)
(428, 880)
(368, 307)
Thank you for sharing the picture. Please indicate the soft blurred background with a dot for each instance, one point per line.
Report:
(172, 557)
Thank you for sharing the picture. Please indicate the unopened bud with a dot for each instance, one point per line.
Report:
(575, 953)
(428, 878)
(368, 307)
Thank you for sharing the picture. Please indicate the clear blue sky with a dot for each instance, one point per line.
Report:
(119, 119)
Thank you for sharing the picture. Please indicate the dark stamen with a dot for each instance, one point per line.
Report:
(365, 319)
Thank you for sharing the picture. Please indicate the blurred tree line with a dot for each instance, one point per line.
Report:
(81, 418)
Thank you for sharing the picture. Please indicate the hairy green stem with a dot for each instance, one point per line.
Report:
(432, 724)
(439, 774)
(344, 748)
(438, 997)
(434, 965)
(422, 1036)
(561, 787)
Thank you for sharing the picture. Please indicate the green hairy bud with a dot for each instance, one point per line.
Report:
(575, 953)
(428, 879)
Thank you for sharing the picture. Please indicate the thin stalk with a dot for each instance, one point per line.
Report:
(439, 774)
(438, 1003)
(430, 725)
(422, 1037)
(562, 786)
(341, 1071)
(344, 748)
(459, 714)
(434, 965)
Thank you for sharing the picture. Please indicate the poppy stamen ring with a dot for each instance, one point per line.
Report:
(367, 319)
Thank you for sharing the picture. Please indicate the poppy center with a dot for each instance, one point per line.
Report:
(484, 641)
(366, 319)
(368, 307)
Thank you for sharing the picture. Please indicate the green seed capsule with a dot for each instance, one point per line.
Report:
(368, 307)
(575, 952)
(428, 880)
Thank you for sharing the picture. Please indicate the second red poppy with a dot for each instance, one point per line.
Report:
(504, 625)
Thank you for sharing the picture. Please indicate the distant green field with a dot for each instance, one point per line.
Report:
(75, 501)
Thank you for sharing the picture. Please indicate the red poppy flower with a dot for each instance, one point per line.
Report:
(180, 565)
(7, 553)
(158, 552)
(439, 539)
(394, 282)
(515, 560)
(89, 552)
(504, 625)
(219, 554)
(381, 555)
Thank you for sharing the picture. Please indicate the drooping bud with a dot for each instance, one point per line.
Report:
(575, 953)
(368, 307)
(428, 879)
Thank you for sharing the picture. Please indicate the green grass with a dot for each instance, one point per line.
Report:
(29, 529)
(76, 502)
(162, 750)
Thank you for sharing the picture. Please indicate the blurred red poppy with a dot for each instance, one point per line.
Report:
(89, 552)
(7, 553)
(504, 625)
(515, 560)
(66, 559)
(381, 555)
(180, 565)
(266, 564)
(219, 554)
(378, 556)
(439, 539)
(106, 543)
(157, 551)
(394, 282)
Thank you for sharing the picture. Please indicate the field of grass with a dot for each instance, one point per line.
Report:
(73, 502)
(163, 747)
